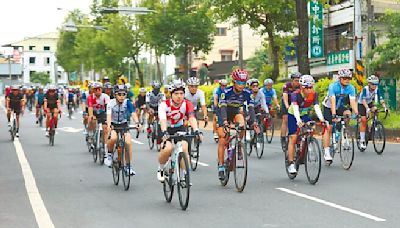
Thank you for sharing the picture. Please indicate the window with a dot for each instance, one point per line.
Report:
(32, 60)
(46, 61)
(226, 55)
(220, 31)
(46, 48)
(31, 48)
(339, 38)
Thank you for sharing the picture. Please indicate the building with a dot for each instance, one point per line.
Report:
(38, 55)
(342, 36)
(226, 49)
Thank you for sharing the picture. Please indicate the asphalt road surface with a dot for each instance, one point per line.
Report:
(60, 186)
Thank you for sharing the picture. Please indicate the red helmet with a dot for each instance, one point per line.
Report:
(240, 75)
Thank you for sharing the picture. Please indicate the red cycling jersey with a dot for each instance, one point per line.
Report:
(98, 103)
(175, 115)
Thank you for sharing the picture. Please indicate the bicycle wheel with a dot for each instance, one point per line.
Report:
(248, 141)
(101, 149)
(358, 138)
(95, 150)
(378, 137)
(240, 168)
(125, 163)
(194, 154)
(346, 149)
(150, 140)
(269, 132)
(259, 142)
(312, 160)
(168, 186)
(52, 132)
(183, 183)
(12, 131)
(224, 181)
(115, 167)
(284, 144)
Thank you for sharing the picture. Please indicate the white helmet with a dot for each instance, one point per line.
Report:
(345, 73)
(142, 90)
(268, 81)
(307, 80)
(128, 86)
(156, 84)
(373, 80)
(177, 84)
(223, 82)
(193, 81)
(253, 80)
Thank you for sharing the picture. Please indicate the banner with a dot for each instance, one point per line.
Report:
(316, 29)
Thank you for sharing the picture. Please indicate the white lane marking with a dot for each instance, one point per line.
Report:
(201, 163)
(321, 201)
(39, 209)
(137, 142)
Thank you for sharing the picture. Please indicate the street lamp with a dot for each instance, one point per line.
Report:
(126, 10)
(70, 26)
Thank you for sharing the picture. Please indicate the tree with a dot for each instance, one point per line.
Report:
(257, 65)
(386, 57)
(40, 77)
(303, 62)
(269, 17)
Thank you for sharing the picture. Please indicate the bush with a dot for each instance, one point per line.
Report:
(392, 121)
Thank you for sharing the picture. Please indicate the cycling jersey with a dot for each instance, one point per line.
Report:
(232, 101)
(269, 95)
(304, 103)
(341, 93)
(70, 97)
(154, 100)
(175, 115)
(40, 98)
(51, 100)
(195, 98)
(289, 89)
(259, 101)
(370, 96)
(15, 101)
(120, 113)
(140, 101)
(98, 103)
(84, 95)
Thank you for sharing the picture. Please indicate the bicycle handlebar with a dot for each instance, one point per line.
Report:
(179, 135)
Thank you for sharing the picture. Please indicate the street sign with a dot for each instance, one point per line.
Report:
(388, 89)
(316, 29)
(336, 58)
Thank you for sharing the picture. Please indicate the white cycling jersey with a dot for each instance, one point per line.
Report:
(154, 100)
(195, 98)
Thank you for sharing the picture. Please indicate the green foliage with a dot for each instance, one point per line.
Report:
(278, 88)
(257, 64)
(40, 77)
(208, 92)
(392, 121)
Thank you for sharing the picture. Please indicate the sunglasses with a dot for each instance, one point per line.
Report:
(121, 94)
(193, 86)
(240, 83)
(254, 86)
(97, 88)
(307, 87)
(345, 78)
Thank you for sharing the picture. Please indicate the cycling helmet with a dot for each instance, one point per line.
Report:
(24, 87)
(307, 80)
(373, 80)
(120, 88)
(252, 81)
(108, 85)
(167, 87)
(128, 86)
(177, 84)
(156, 84)
(223, 82)
(97, 85)
(51, 87)
(268, 81)
(15, 87)
(345, 73)
(106, 78)
(240, 75)
(142, 90)
(193, 81)
(295, 75)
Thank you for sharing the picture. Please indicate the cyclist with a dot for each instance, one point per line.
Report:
(287, 90)
(118, 110)
(15, 102)
(61, 94)
(51, 106)
(270, 94)
(195, 96)
(70, 99)
(78, 97)
(140, 102)
(171, 114)
(108, 89)
(216, 94)
(231, 102)
(30, 98)
(39, 101)
(369, 96)
(153, 99)
(340, 94)
(260, 105)
(97, 107)
(130, 93)
(298, 113)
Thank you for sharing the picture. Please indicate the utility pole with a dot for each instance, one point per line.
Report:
(240, 47)
(370, 19)
(9, 66)
(357, 39)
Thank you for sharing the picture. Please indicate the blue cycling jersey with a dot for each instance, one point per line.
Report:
(40, 98)
(370, 96)
(70, 97)
(341, 93)
(230, 98)
(269, 95)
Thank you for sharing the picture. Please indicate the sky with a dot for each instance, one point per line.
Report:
(26, 18)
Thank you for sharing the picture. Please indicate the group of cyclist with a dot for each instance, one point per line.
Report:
(179, 105)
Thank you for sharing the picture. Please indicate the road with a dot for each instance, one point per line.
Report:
(60, 186)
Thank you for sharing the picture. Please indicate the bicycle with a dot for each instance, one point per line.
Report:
(142, 119)
(342, 142)
(70, 107)
(375, 133)
(152, 135)
(98, 146)
(194, 151)
(121, 159)
(256, 140)
(176, 171)
(13, 128)
(269, 128)
(307, 152)
(235, 158)
(52, 129)
(40, 119)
